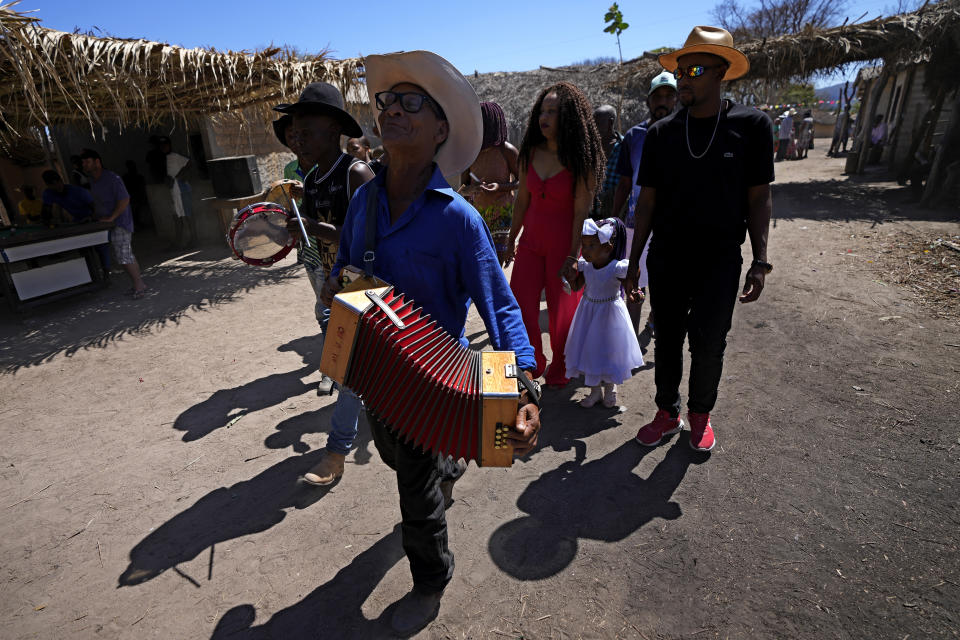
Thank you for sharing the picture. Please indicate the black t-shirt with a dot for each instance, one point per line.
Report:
(703, 202)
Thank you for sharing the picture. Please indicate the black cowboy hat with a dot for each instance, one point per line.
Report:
(281, 125)
(323, 98)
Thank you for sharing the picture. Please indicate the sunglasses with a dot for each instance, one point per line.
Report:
(695, 70)
(410, 101)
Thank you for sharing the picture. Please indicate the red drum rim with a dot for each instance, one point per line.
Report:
(255, 209)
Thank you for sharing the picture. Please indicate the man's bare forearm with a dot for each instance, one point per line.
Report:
(758, 220)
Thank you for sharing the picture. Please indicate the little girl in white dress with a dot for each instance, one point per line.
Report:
(602, 345)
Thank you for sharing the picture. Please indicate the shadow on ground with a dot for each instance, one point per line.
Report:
(565, 505)
(247, 507)
(852, 198)
(224, 405)
(179, 284)
(333, 609)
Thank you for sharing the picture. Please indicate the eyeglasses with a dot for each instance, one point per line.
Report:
(410, 101)
(695, 70)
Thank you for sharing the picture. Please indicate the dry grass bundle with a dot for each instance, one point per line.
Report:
(928, 267)
(48, 77)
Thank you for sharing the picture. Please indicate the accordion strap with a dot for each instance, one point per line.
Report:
(369, 254)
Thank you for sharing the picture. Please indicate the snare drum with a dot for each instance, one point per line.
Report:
(258, 234)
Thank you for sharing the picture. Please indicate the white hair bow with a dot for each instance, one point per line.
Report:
(603, 233)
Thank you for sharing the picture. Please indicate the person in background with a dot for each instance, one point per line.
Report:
(878, 138)
(30, 208)
(605, 117)
(68, 201)
(75, 202)
(785, 135)
(137, 188)
(180, 192)
(805, 139)
(359, 148)
(490, 181)
(77, 177)
(156, 161)
(661, 101)
(379, 156)
(561, 166)
(112, 204)
(840, 132)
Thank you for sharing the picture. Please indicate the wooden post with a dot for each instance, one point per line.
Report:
(901, 110)
(939, 169)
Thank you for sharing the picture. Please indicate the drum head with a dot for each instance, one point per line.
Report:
(279, 193)
(259, 234)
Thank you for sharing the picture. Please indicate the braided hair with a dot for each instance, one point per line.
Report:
(578, 142)
(619, 236)
(494, 125)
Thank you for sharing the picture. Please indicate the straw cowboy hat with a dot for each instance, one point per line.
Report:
(713, 40)
(323, 98)
(447, 87)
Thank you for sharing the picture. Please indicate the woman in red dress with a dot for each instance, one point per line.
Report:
(561, 164)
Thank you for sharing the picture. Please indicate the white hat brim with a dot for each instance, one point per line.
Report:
(447, 86)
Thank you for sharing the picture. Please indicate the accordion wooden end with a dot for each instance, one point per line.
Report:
(420, 381)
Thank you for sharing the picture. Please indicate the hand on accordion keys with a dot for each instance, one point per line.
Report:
(523, 437)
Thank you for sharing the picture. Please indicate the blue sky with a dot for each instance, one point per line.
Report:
(493, 36)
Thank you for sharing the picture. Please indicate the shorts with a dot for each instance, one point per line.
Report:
(120, 239)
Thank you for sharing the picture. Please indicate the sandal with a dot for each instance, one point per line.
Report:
(139, 294)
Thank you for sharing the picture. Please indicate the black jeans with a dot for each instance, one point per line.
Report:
(693, 299)
(424, 522)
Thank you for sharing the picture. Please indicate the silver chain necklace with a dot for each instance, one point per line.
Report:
(709, 144)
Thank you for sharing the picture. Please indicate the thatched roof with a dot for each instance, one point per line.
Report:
(896, 39)
(49, 77)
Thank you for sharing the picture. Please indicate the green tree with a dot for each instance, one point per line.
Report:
(615, 25)
(799, 94)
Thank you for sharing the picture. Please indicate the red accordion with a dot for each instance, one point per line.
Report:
(420, 381)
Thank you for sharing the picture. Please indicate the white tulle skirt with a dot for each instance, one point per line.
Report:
(601, 345)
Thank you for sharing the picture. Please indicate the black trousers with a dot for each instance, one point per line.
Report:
(424, 523)
(694, 299)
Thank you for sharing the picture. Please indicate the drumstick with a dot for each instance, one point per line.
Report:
(303, 229)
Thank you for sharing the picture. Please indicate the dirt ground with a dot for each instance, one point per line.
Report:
(150, 451)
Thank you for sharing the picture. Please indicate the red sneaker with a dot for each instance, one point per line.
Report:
(701, 433)
(650, 435)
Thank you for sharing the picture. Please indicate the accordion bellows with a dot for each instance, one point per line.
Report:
(420, 381)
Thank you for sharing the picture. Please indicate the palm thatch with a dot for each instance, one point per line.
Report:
(896, 39)
(49, 77)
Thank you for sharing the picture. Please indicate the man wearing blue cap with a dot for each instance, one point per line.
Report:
(661, 101)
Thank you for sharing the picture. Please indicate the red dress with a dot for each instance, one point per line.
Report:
(543, 247)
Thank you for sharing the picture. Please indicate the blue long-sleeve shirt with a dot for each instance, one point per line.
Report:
(440, 254)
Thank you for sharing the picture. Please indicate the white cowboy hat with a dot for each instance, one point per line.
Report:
(447, 87)
(713, 40)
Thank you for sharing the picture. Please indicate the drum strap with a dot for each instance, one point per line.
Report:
(371, 232)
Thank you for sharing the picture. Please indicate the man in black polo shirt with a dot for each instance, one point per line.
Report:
(705, 175)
